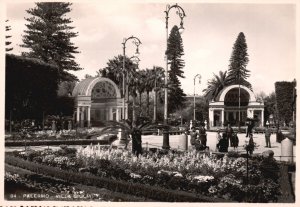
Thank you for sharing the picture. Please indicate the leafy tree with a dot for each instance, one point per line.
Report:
(260, 97)
(65, 88)
(237, 72)
(7, 42)
(187, 112)
(284, 100)
(48, 37)
(30, 87)
(215, 85)
(270, 107)
(174, 53)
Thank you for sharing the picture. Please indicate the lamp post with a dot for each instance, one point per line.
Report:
(180, 12)
(137, 42)
(199, 76)
(135, 60)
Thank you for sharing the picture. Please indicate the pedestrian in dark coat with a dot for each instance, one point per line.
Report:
(194, 135)
(267, 137)
(136, 142)
(229, 133)
(223, 144)
(202, 135)
(235, 140)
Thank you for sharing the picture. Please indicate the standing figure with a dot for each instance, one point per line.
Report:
(250, 127)
(193, 134)
(218, 137)
(202, 135)
(250, 146)
(229, 133)
(267, 137)
(235, 140)
(136, 141)
(223, 144)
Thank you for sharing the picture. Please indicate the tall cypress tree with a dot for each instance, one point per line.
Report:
(48, 37)
(174, 53)
(7, 42)
(237, 72)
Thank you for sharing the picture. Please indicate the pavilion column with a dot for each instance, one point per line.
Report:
(117, 114)
(126, 111)
(250, 113)
(111, 116)
(88, 116)
(222, 117)
(211, 117)
(82, 116)
(78, 114)
(262, 117)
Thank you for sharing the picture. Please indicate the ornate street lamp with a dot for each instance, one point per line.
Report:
(180, 12)
(137, 43)
(199, 76)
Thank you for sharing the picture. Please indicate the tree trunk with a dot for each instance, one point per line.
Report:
(133, 110)
(148, 104)
(154, 106)
(140, 102)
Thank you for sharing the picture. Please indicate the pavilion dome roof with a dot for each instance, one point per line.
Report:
(221, 95)
(82, 86)
(105, 87)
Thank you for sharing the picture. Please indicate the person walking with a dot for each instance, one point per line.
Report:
(235, 140)
(267, 137)
(223, 144)
(229, 133)
(202, 135)
(193, 135)
(251, 144)
(250, 127)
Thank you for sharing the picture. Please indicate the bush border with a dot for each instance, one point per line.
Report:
(136, 189)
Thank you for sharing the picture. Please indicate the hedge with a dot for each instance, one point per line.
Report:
(55, 142)
(136, 189)
(284, 99)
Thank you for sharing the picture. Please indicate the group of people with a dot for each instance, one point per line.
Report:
(226, 139)
(198, 138)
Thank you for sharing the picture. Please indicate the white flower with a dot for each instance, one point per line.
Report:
(178, 175)
(135, 176)
(201, 178)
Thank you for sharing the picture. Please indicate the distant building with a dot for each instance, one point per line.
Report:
(225, 108)
(97, 99)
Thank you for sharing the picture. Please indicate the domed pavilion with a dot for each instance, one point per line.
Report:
(225, 108)
(97, 99)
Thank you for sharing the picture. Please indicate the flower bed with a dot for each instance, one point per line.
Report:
(192, 172)
(35, 187)
(68, 137)
(54, 135)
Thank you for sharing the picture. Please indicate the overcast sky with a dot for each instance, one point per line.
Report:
(210, 32)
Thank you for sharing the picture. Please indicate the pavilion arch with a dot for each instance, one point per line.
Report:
(223, 93)
(225, 108)
(97, 100)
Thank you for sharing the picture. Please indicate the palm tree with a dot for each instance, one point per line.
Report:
(149, 86)
(158, 76)
(134, 84)
(140, 86)
(114, 69)
(215, 85)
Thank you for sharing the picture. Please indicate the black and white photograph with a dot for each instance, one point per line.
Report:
(157, 102)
